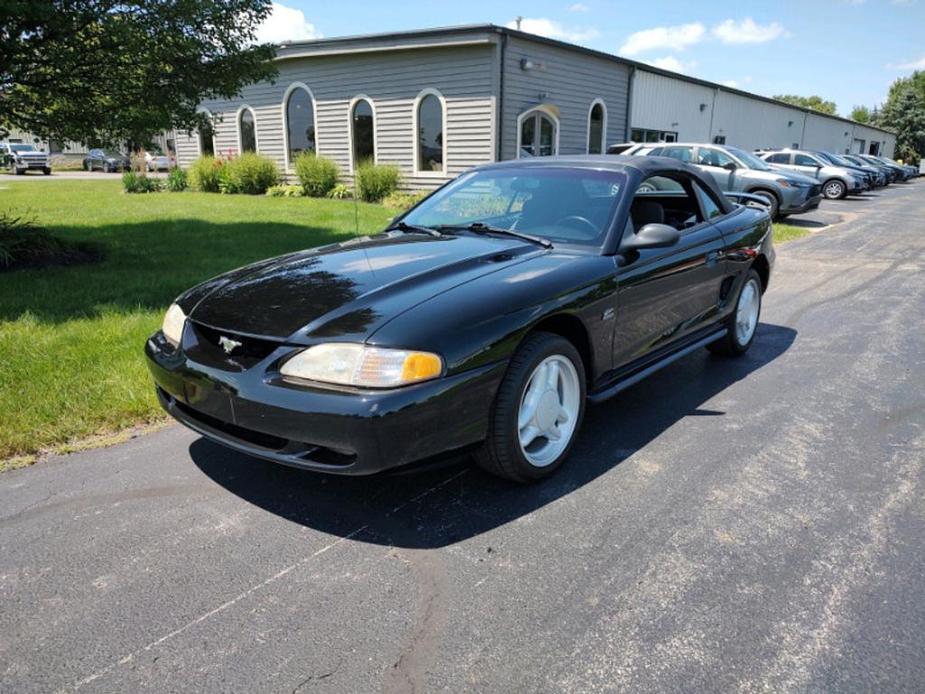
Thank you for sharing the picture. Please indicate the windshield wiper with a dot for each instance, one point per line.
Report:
(414, 228)
(481, 228)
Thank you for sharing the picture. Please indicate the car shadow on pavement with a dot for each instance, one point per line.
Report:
(438, 507)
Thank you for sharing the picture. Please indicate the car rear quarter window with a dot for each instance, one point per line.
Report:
(779, 158)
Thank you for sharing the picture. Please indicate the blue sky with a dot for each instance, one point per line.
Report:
(848, 51)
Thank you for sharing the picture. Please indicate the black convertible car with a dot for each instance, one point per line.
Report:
(482, 319)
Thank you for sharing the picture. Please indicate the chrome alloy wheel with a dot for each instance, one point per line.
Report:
(549, 410)
(834, 189)
(747, 312)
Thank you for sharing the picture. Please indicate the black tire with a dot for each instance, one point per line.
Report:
(773, 203)
(501, 454)
(47, 171)
(833, 189)
(19, 172)
(729, 345)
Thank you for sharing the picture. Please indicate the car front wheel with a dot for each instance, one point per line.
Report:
(537, 411)
(743, 321)
(773, 205)
(834, 190)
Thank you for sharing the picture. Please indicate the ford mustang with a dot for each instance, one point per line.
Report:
(480, 321)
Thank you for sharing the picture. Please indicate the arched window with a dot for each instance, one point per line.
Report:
(597, 128)
(207, 137)
(300, 122)
(363, 132)
(247, 130)
(431, 144)
(539, 134)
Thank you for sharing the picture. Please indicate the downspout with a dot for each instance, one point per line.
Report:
(803, 133)
(630, 88)
(712, 113)
(499, 116)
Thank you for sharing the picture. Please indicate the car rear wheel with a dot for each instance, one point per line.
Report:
(743, 321)
(537, 411)
(834, 189)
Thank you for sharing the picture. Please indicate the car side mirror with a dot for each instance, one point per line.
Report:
(730, 166)
(652, 236)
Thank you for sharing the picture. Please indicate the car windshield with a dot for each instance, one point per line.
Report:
(111, 153)
(561, 205)
(749, 159)
(837, 160)
(22, 148)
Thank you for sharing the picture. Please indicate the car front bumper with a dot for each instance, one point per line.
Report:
(348, 432)
(800, 206)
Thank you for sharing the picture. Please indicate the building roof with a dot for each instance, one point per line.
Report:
(292, 49)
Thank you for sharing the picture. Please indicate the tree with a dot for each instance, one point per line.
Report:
(816, 103)
(98, 71)
(904, 112)
(861, 114)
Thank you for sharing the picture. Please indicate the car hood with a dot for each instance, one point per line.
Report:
(346, 290)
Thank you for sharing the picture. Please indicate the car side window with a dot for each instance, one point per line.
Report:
(779, 158)
(804, 160)
(665, 200)
(713, 157)
(680, 153)
(709, 206)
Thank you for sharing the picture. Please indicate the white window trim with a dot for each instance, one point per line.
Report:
(199, 133)
(285, 112)
(353, 102)
(417, 140)
(546, 111)
(603, 106)
(237, 126)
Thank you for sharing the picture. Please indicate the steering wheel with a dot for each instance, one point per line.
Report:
(571, 220)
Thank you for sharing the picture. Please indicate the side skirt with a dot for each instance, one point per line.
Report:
(625, 382)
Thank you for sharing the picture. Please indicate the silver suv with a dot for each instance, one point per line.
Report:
(736, 170)
(837, 181)
(20, 157)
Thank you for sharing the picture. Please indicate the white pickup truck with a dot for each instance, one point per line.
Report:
(20, 157)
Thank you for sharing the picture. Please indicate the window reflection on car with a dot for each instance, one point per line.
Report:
(549, 203)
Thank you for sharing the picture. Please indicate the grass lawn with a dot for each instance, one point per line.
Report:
(71, 338)
(788, 232)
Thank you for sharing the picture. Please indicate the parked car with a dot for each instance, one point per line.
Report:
(886, 173)
(837, 181)
(733, 169)
(19, 157)
(106, 160)
(875, 176)
(157, 161)
(481, 319)
(907, 171)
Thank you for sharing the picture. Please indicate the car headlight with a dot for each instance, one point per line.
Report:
(359, 365)
(174, 320)
(783, 182)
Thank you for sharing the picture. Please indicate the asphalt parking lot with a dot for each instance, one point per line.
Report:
(746, 525)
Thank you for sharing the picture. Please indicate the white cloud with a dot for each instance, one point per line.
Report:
(747, 31)
(554, 30)
(581, 7)
(286, 24)
(675, 38)
(911, 65)
(737, 84)
(669, 62)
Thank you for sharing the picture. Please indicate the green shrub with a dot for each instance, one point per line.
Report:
(374, 182)
(285, 192)
(402, 201)
(134, 182)
(340, 192)
(248, 174)
(317, 175)
(204, 174)
(177, 181)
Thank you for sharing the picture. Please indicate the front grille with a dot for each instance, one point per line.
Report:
(206, 347)
(294, 449)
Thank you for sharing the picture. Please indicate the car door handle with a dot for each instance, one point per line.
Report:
(713, 257)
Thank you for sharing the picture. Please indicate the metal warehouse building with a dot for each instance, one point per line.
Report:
(436, 102)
